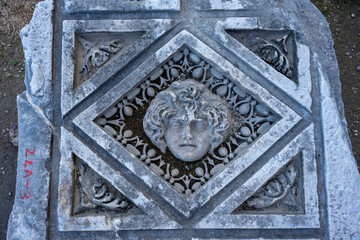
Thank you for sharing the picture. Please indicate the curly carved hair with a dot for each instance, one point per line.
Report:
(190, 98)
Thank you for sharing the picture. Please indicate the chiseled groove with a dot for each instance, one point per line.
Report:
(117, 15)
(307, 233)
(319, 150)
(188, 234)
(231, 13)
(57, 121)
(223, 194)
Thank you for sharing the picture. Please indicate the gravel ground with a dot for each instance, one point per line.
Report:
(343, 16)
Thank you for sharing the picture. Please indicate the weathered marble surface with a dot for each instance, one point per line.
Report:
(295, 179)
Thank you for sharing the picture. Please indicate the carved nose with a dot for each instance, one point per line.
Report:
(187, 136)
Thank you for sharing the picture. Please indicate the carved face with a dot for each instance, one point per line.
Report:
(188, 139)
(188, 119)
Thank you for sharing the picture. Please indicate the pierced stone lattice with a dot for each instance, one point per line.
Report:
(252, 119)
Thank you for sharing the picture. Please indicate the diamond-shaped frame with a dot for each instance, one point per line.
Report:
(85, 121)
(118, 120)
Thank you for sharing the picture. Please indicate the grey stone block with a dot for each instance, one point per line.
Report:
(28, 219)
(286, 169)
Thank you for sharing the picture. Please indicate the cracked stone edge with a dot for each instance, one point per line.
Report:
(28, 219)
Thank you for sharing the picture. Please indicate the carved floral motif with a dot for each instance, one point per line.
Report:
(275, 190)
(98, 192)
(251, 120)
(277, 48)
(96, 55)
(273, 54)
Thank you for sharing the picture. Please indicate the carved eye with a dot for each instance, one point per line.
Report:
(199, 126)
(176, 125)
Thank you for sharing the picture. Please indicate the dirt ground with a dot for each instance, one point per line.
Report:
(343, 16)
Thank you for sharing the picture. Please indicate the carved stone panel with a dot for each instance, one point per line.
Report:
(182, 119)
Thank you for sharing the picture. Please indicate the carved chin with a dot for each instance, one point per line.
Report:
(188, 152)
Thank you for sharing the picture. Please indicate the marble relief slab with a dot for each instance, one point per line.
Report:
(211, 119)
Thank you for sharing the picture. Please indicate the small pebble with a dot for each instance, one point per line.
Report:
(10, 193)
(358, 68)
(356, 133)
(3, 173)
(347, 54)
(353, 15)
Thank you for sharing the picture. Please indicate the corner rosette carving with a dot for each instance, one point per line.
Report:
(99, 192)
(97, 55)
(275, 190)
(272, 54)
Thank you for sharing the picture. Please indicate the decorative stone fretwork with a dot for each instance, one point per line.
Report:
(275, 48)
(95, 193)
(281, 194)
(251, 119)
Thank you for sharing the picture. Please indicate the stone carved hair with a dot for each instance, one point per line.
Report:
(192, 99)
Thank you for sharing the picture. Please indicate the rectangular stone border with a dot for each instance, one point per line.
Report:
(70, 97)
(221, 217)
(342, 177)
(85, 122)
(74, 6)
